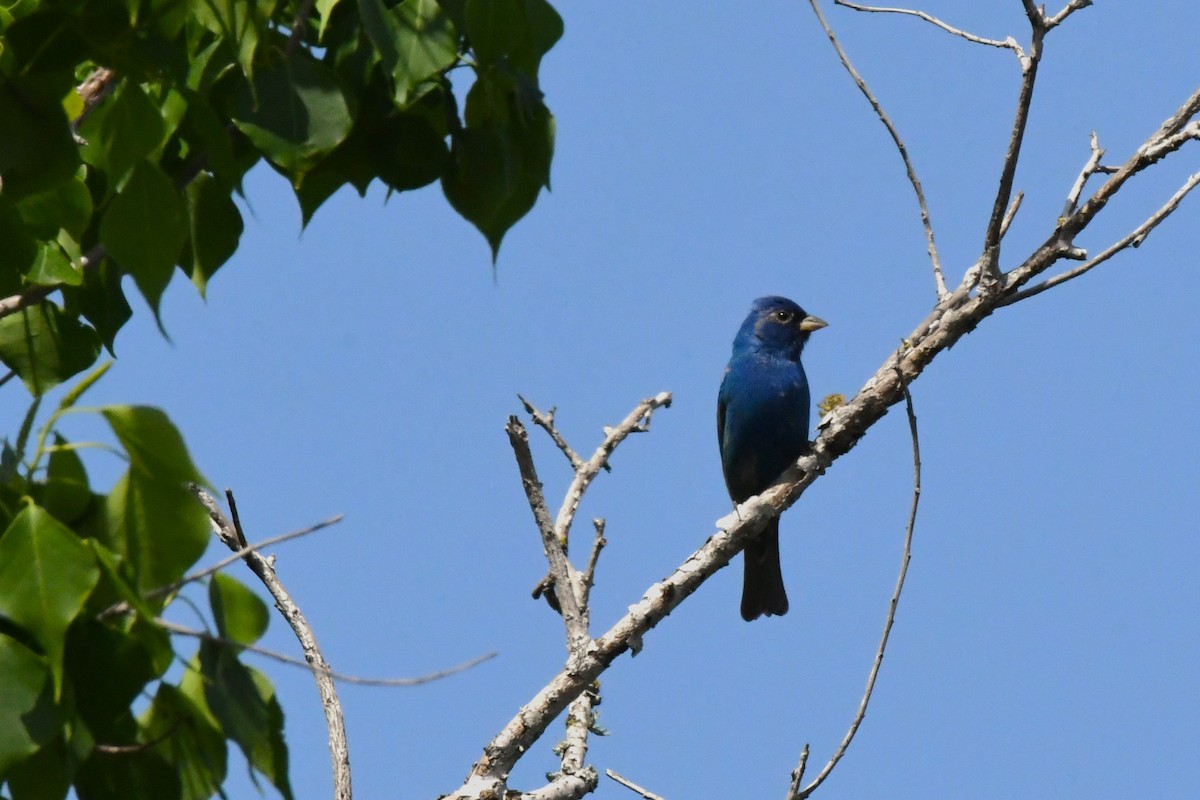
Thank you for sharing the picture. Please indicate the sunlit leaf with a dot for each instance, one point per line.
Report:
(47, 574)
(240, 614)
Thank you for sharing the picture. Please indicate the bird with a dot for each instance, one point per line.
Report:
(762, 428)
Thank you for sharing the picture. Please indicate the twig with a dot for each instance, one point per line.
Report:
(989, 275)
(94, 89)
(8, 377)
(1133, 239)
(1089, 169)
(1175, 131)
(636, 421)
(560, 569)
(234, 539)
(1011, 214)
(129, 749)
(931, 247)
(571, 589)
(1008, 44)
(340, 677)
(895, 601)
(628, 784)
(589, 572)
(545, 421)
(123, 607)
(1069, 9)
(299, 26)
(798, 774)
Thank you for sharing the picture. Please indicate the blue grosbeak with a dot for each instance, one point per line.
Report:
(762, 428)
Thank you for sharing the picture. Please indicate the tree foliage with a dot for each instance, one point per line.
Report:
(126, 129)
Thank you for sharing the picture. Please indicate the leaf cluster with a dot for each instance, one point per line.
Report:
(90, 699)
(126, 129)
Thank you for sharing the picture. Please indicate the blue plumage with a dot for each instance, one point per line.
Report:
(762, 428)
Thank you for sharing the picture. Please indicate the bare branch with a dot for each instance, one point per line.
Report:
(798, 774)
(1176, 130)
(1133, 239)
(566, 787)
(545, 421)
(234, 539)
(94, 89)
(636, 421)
(589, 572)
(990, 265)
(1069, 9)
(1008, 44)
(628, 784)
(1011, 214)
(892, 605)
(931, 247)
(1089, 169)
(552, 542)
(340, 677)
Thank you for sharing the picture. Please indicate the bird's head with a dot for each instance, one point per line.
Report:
(777, 324)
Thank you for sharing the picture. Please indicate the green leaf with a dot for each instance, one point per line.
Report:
(324, 9)
(45, 346)
(37, 151)
(147, 202)
(501, 160)
(411, 154)
(20, 247)
(214, 228)
(44, 776)
(122, 132)
(426, 44)
(138, 774)
(296, 112)
(240, 24)
(153, 519)
(518, 32)
(101, 301)
(66, 494)
(207, 134)
(68, 206)
(244, 702)
(155, 447)
(240, 614)
(51, 267)
(188, 739)
(25, 677)
(77, 391)
(109, 667)
(157, 526)
(47, 574)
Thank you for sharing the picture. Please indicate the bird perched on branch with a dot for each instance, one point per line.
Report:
(762, 428)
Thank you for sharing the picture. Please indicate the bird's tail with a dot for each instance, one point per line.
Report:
(762, 587)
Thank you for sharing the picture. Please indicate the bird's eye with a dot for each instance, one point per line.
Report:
(783, 316)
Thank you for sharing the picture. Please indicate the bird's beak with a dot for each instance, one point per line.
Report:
(811, 323)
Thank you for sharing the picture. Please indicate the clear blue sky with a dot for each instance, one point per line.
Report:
(1047, 642)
